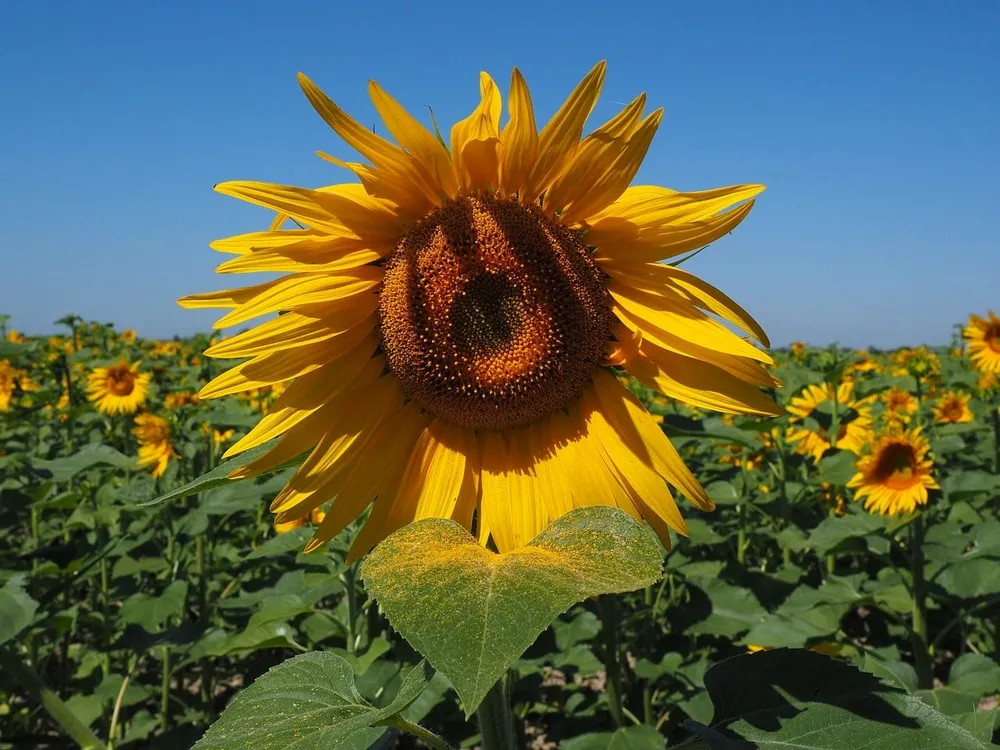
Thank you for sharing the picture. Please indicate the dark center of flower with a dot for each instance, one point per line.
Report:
(493, 314)
(896, 463)
(120, 380)
(991, 337)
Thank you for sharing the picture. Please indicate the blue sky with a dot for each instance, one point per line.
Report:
(874, 125)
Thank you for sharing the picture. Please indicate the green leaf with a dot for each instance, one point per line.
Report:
(219, 476)
(723, 493)
(834, 530)
(837, 469)
(899, 673)
(467, 609)
(282, 544)
(641, 737)
(17, 609)
(309, 702)
(799, 699)
(734, 609)
(975, 674)
(64, 469)
(151, 612)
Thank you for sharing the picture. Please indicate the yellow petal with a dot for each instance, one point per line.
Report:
(307, 394)
(661, 317)
(305, 289)
(295, 329)
(416, 139)
(596, 154)
(226, 297)
(242, 244)
(560, 137)
(384, 155)
(289, 260)
(519, 138)
(475, 141)
(637, 429)
(612, 180)
(660, 279)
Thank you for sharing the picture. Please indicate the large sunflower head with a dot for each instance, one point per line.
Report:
(155, 449)
(983, 337)
(813, 414)
(895, 473)
(118, 389)
(952, 407)
(454, 324)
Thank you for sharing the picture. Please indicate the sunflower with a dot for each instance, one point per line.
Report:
(921, 363)
(895, 473)
(816, 403)
(983, 336)
(118, 389)
(900, 405)
(8, 384)
(952, 407)
(863, 364)
(155, 448)
(798, 350)
(15, 337)
(453, 325)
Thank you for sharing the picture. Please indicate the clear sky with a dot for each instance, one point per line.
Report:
(874, 124)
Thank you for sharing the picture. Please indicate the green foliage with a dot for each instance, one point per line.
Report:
(472, 612)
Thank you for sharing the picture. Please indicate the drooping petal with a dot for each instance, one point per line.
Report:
(475, 141)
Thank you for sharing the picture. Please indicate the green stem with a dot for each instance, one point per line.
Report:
(921, 655)
(996, 439)
(207, 676)
(496, 721)
(647, 689)
(428, 737)
(741, 537)
(608, 608)
(349, 578)
(59, 711)
(165, 691)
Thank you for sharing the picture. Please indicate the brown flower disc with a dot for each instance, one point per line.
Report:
(493, 314)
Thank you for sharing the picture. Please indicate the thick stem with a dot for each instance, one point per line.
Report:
(608, 607)
(351, 591)
(165, 691)
(25, 676)
(921, 654)
(996, 440)
(496, 722)
(741, 536)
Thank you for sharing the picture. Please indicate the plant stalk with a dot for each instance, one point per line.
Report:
(608, 607)
(25, 676)
(496, 721)
(921, 654)
(425, 735)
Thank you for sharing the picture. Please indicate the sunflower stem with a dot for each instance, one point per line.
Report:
(25, 676)
(647, 689)
(428, 737)
(496, 721)
(996, 439)
(607, 606)
(921, 654)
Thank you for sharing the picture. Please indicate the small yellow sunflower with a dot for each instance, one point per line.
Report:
(155, 448)
(8, 384)
(895, 473)
(15, 337)
(983, 337)
(118, 389)
(798, 350)
(863, 364)
(816, 402)
(953, 407)
(128, 336)
(900, 405)
(921, 363)
(453, 325)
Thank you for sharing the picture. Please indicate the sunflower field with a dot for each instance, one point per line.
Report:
(856, 538)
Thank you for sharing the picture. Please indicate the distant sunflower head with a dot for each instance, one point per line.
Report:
(983, 342)
(952, 407)
(863, 363)
(920, 362)
(455, 324)
(155, 449)
(119, 388)
(798, 349)
(895, 473)
(180, 399)
(815, 411)
(8, 384)
(900, 405)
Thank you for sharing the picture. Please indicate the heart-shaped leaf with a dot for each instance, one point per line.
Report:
(309, 702)
(471, 612)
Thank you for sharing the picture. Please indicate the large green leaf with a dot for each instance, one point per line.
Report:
(472, 612)
(17, 609)
(309, 702)
(974, 674)
(64, 469)
(219, 476)
(641, 737)
(798, 699)
(835, 530)
(152, 612)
